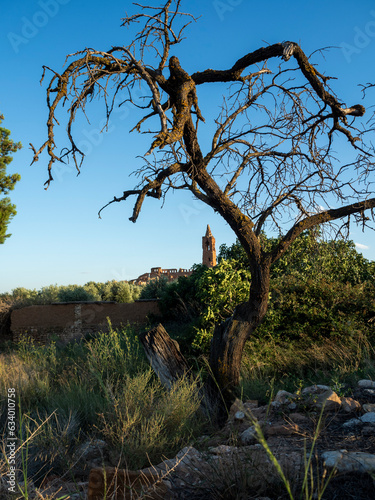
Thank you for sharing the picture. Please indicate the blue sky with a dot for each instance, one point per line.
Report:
(57, 236)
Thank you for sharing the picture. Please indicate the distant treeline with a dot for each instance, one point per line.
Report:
(118, 291)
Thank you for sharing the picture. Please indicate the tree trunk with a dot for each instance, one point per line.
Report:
(164, 355)
(229, 340)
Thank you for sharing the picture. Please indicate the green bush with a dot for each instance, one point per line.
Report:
(219, 290)
(318, 308)
(117, 291)
(319, 289)
(155, 288)
(179, 300)
(75, 293)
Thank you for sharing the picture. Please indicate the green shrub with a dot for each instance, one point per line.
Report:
(179, 300)
(318, 290)
(318, 308)
(117, 291)
(155, 288)
(75, 293)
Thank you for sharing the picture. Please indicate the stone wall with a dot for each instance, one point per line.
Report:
(74, 320)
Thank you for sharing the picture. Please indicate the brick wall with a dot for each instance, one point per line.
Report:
(74, 320)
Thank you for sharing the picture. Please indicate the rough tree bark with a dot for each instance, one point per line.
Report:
(164, 355)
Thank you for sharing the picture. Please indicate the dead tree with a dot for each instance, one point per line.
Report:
(270, 162)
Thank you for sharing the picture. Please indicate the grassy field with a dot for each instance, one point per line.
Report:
(103, 388)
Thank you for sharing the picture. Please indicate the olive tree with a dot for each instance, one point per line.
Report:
(270, 163)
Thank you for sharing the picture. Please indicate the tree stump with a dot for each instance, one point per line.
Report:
(164, 355)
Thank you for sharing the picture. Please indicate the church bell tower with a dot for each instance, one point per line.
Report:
(209, 251)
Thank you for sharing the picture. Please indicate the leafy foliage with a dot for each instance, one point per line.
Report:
(155, 288)
(319, 308)
(75, 293)
(117, 291)
(219, 290)
(7, 182)
(310, 255)
(319, 289)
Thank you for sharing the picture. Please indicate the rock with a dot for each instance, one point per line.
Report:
(350, 404)
(219, 450)
(368, 418)
(248, 436)
(370, 392)
(369, 407)
(282, 430)
(250, 405)
(283, 397)
(328, 400)
(299, 418)
(352, 423)
(235, 408)
(239, 415)
(188, 457)
(367, 430)
(352, 461)
(91, 449)
(110, 482)
(368, 384)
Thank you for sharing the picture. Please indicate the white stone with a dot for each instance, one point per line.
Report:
(368, 418)
(239, 415)
(366, 384)
(248, 436)
(351, 461)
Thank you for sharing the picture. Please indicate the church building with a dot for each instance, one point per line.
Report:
(209, 250)
(208, 259)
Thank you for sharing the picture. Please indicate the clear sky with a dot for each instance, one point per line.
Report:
(57, 237)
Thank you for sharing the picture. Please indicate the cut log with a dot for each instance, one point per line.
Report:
(164, 355)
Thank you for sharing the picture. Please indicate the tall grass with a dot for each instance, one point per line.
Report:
(101, 387)
(269, 365)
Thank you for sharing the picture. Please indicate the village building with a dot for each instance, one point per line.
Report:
(208, 259)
